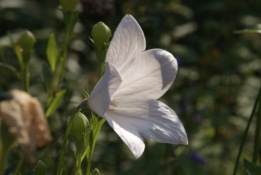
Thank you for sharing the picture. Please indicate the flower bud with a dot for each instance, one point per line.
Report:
(79, 130)
(68, 5)
(26, 41)
(79, 126)
(101, 35)
(40, 168)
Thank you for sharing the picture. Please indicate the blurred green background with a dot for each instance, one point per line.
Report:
(213, 94)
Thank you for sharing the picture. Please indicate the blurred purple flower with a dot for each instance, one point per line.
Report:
(197, 158)
(98, 7)
(197, 118)
(179, 60)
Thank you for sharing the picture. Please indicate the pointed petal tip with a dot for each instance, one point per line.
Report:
(138, 154)
(184, 140)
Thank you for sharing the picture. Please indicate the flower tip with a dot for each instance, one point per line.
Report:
(184, 140)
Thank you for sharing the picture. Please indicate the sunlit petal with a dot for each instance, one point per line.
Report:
(148, 77)
(151, 119)
(100, 97)
(127, 42)
(127, 133)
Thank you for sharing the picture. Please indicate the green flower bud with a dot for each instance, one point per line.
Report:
(26, 41)
(79, 130)
(79, 126)
(40, 168)
(68, 5)
(101, 35)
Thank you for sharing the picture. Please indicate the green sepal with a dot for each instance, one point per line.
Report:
(254, 29)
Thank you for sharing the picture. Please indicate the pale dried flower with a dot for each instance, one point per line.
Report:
(26, 121)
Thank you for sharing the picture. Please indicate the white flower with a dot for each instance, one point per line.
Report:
(126, 95)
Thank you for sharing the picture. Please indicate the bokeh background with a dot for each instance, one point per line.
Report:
(213, 94)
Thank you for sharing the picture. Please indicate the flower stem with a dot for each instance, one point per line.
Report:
(257, 134)
(3, 155)
(25, 78)
(18, 167)
(78, 164)
(77, 109)
(246, 131)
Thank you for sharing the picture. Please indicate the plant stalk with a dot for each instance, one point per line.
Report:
(77, 109)
(246, 131)
(257, 134)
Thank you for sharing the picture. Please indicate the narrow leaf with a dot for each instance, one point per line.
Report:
(254, 29)
(251, 168)
(46, 77)
(55, 102)
(51, 52)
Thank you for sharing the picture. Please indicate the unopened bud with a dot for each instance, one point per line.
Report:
(68, 5)
(101, 35)
(26, 41)
(79, 126)
(40, 168)
(79, 130)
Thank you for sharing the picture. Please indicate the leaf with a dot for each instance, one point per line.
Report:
(54, 102)
(46, 77)
(85, 93)
(254, 29)
(252, 168)
(51, 52)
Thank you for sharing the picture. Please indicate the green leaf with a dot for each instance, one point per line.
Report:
(85, 93)
(46, 77)
(251, 168)
(51, 52)
(254, 29)
(54, 102)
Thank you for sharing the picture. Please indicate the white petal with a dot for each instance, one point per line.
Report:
(127, 42)
(100, 97)
(127, 133)
(152, 119)
(148, 77)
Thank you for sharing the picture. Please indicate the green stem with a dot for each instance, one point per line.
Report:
(64, 58)
(19, 165)
(78, 164)
(101, 69)
(93, 139)
(25, 78)
(89, 162)
(62, 55)
(3, 156)
(77, 109)
(257, 134)
(246, 131)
